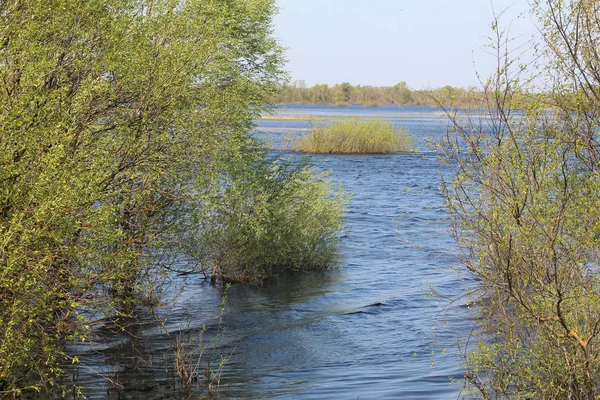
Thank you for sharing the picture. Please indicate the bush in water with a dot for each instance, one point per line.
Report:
(268, 218)
(353, 135)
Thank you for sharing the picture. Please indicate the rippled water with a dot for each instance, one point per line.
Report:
(367, 330)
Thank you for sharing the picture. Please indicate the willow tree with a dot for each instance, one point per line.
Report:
(526, 200)
(114, 116)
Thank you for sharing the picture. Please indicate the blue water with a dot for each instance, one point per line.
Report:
(369, 329)
(424, 123)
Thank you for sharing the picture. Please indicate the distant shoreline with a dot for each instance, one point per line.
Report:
(346, 94)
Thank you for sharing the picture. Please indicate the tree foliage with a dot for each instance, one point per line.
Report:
(345, 94)
(525, 199)
(115, 117)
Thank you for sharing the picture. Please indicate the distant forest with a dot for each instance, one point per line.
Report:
(345, 94)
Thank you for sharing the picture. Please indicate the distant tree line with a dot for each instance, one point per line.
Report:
(345, 94)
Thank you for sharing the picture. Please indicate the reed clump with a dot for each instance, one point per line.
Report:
(354, 135)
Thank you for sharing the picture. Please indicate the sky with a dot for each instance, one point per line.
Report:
(426, 43)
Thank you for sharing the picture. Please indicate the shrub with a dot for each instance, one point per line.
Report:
(524, 196)
(373, 136)
(268, 218)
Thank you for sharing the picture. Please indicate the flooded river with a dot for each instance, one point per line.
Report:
(369, 329)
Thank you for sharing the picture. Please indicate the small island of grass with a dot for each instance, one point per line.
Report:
(371, 136)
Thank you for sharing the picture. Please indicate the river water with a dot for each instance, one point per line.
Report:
(370, 329)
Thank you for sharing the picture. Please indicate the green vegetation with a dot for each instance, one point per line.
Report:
(400, 94)
(371, 136)
(120, 122)
(268, 217)
(525, 198)
(195, 363)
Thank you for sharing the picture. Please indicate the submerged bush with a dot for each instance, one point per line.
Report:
(269, 218)
(374, 136)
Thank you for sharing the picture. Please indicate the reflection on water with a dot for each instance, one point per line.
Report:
(368, 329)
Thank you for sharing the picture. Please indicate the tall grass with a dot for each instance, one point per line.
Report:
(370, 136)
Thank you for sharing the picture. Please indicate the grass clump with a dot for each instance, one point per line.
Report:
(353, 135)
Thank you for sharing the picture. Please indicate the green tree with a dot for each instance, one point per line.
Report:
(402, 94)
(347, 90)
(115, 117)
(526, 207)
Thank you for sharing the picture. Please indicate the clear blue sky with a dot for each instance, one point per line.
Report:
(427, 43)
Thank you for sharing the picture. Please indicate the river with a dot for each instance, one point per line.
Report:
(369, 329)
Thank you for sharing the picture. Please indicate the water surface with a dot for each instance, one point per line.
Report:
(369, 329)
